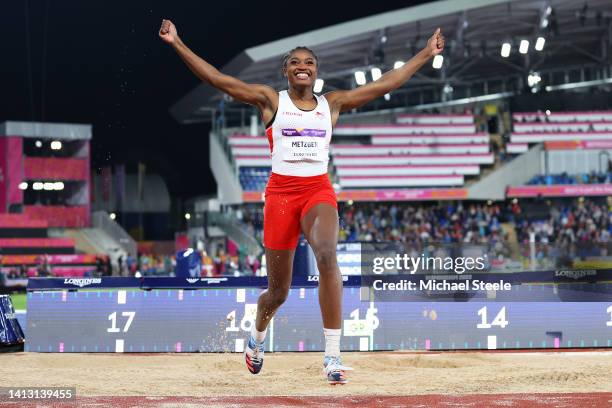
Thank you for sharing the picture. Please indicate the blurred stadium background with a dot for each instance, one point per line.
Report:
(505, 141)
(503, 145)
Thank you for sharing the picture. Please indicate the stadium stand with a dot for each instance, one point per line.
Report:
(451, 222)
(425, 150)
(564, 178)
(254, 178)
(27, 249)
(567, 232)
(538, 127)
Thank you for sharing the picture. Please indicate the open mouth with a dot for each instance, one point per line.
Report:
(302, 75)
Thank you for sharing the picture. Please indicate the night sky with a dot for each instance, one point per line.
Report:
(101, 62)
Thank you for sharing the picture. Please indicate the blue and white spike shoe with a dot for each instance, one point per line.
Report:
(334, 370)
(253, 354)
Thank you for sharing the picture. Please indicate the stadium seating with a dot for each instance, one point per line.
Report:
(419, 150)
(24, 244)
(538, 127)
(435, 118)
(254, 178)
(590, 116)
(555, 179)
(404, 129)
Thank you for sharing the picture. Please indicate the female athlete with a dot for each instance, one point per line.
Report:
(299, 196)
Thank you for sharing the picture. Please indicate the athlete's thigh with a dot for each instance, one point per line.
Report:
(320, 225)
(281, 222)
(279, 266)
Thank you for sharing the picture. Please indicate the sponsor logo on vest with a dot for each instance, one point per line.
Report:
(82, 282)
(304, 132)
(319, 115)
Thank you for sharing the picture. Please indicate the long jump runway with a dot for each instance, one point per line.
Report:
(595, 400)
(446, 379)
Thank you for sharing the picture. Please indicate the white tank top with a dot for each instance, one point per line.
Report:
(299, 140)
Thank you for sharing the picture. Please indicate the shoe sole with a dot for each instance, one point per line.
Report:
(331, 382)
(246, 359)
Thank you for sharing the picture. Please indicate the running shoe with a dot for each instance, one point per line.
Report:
(253, 355)
(334, 370)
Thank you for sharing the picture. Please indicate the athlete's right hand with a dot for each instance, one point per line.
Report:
(167, 32)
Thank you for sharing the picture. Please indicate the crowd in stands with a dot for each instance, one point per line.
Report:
(418, 225)
(148, 264)
(579, 228)
(223, 263)
(564, 178)
(251, 217)
(415, 225)
(216, 264)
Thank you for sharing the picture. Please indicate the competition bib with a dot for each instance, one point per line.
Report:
(304, 144)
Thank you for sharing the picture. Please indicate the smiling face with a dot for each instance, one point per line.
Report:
(301, 68)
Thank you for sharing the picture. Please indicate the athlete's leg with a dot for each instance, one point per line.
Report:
(281, 233)
(279, 264)
(320, 226)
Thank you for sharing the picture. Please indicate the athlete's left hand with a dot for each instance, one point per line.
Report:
(435, 45)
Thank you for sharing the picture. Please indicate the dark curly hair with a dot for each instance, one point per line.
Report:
(301, 48)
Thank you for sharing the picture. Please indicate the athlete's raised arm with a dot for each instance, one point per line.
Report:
(261, 96)
(342, 101)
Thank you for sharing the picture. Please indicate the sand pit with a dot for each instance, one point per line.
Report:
(300, 373)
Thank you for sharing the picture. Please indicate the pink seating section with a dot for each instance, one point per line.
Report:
(28, 252)
(538, 127)
(20, 221)
(416, 151)
(65, 271)
(61, 265)
(60, 216)
(37, 243)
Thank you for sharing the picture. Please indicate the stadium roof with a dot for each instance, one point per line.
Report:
(578, 41)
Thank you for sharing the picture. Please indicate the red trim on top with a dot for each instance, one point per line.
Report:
(270, 138)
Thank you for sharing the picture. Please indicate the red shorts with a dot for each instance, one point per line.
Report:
(287, 200)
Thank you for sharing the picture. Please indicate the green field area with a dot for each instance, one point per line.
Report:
(19, 301)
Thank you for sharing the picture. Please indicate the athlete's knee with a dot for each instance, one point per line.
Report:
(326, 258)
(277, 296)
